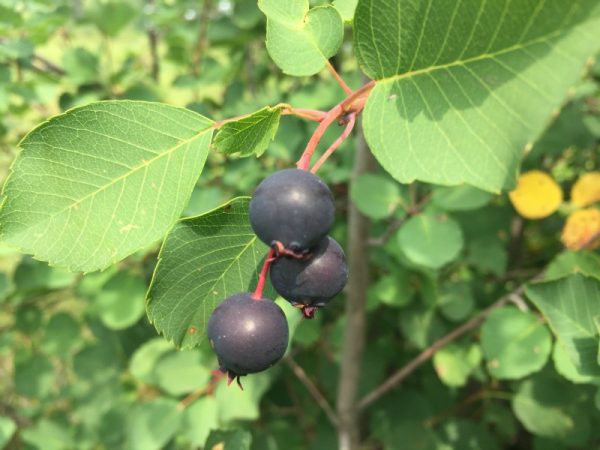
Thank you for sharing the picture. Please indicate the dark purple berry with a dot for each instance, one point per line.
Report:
(247, 335)
(293, 207)
(314, 281)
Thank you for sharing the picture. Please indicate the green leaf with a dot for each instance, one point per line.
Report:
(61, 335)
(203, 200)
(111, 17)
(28, 319)
(203, 261)
(32, 275)
(570, 306)
(97, 362)
(151, 425)
(346, 8)
(456, 301)
(49, 435)
(6, 286)
(548, 406)
(459, 198)
(250, 135)
(120, 302)
(300, 40)
(235, 404)
(34, 377)
(145, 358)
(488, 253)
(465, 434)
(392, 290)
(179, 373)
(515, 343)
(115, 177)
(7, 429)
(420, 326)
(229, 440)
(199, 418)
(9, 19)
(81, 65)
(565, 367)
(567, 263)
(375, 196)
(462, 87)
(454, 363)
(410, 434)
(431, 240)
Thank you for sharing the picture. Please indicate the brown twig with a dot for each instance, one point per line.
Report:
(153, 43)
(202, 41)
(426, 354)
(355, 310)
(393, 226)
(209, 389)
(48, 65)
(152, 34)
(312, 389)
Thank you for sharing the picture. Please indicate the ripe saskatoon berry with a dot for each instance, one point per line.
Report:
(312, 282)
(247, 335)
(293, 207)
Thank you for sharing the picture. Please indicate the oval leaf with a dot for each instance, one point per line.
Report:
(464, 86)
(300, 40)
(514, 343)
(100, 182)
(431, 241)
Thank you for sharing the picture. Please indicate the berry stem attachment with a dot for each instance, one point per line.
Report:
(262, 278)
(333, 147)
(338, 78)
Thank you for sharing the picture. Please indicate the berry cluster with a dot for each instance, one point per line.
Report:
(292, 211)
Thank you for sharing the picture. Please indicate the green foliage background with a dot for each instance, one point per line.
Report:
(81, 367)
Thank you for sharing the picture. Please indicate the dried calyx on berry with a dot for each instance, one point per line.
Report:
(293, 209)
(311, 282)
(248, 335)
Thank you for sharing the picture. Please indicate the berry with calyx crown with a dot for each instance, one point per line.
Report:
(310, 283)
(248, 335)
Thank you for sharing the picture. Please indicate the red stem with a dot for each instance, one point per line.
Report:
(331, 117)
(353, 104)
(333, 147)
(262, 278)
(339, 79)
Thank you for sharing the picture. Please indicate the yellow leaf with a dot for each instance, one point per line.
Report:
(537, 195)
(582, 229)
(586, 190)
